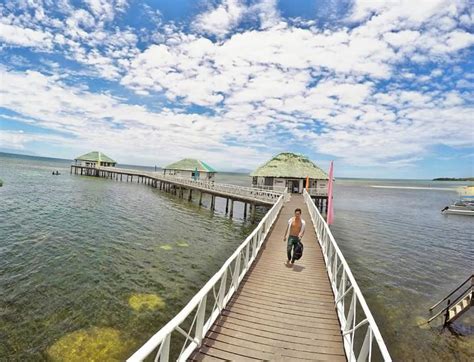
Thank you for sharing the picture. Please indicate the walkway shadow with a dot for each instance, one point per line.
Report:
(298, 268)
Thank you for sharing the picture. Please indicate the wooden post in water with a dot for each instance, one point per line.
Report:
(200, 198)
(254, 213)
(213, 200)
(190, 197)
(231, 208)
(245, 210)
(226, 206)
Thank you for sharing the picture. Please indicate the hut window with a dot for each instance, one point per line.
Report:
(268, 181)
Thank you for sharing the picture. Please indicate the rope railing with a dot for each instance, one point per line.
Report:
(353, 312)
(196, 318)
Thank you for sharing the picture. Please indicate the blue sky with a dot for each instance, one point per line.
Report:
(383, 88)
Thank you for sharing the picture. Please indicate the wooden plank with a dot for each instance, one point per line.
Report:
(280, 316)
(293, 306)
(283, 326)
(280, 312)
(265, 348)
(289, 333)
(291, 342)
(284, 300)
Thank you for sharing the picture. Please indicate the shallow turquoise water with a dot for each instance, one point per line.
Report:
(74, 249)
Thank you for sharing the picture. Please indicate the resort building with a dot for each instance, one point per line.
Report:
(191, 168)
(93, 159)
(292, 171)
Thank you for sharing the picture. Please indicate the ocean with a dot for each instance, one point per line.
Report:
(80, 255)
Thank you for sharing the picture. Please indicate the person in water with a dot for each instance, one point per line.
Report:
(295, 230)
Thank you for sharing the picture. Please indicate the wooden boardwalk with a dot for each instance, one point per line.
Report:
(279, 312)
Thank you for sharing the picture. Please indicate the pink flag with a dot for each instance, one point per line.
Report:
(330, 215)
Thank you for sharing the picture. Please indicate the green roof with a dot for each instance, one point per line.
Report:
(190, 164)
(290, 165)
(94, 156)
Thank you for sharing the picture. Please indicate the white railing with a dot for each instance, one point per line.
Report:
(358, 326)
(271, 188)
(228, 189)
(234, 190)
(196, 318)
(318, 191)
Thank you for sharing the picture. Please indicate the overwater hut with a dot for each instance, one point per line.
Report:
(191, 168)
(292, 170)
(92, 159)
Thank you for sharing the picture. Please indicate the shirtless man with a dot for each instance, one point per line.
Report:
(296, 230)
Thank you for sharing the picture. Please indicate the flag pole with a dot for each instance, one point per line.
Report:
(330, 215)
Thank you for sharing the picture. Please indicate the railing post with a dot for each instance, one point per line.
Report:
(350, 314)
(247, 255)
(200, 320)
(164, 355)
(220, 298)
(364, 351)
(254, 242)
(237, 272)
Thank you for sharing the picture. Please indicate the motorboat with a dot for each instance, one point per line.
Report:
(462, 207)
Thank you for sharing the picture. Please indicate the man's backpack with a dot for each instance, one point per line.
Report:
(298, 250)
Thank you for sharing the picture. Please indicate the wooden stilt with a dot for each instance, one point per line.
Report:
(231, 208)
(200, 198)
(226, 206)
(245, 210)
(254, 213)
(190, 197)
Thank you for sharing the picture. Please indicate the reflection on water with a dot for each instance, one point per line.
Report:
(406, 256)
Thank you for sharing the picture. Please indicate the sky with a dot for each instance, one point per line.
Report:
(383, 88)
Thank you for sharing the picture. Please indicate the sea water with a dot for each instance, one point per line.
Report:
(108, 263)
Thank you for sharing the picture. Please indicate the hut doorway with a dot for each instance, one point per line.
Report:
(293, 186)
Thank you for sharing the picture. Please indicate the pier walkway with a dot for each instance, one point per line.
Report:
(257, 308)
(250, 197)
(279, 312)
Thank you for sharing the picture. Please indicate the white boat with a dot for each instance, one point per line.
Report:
(463, 207)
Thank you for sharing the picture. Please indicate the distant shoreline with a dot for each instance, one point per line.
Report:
(454, 179)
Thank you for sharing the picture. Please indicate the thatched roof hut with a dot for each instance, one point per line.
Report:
(290, 170)
(94, 158)
(190, 167)
(291, 165)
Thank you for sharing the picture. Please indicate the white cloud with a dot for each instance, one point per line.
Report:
(92, 121)
(348, 91)
(221, 19)
(25, 37)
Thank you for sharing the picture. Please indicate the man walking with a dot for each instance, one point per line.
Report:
(295, 230)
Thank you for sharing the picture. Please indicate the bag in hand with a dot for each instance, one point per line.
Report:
(298, 250)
